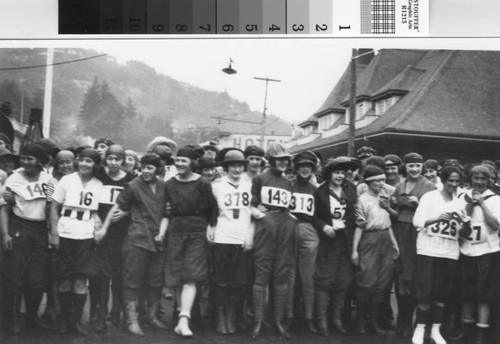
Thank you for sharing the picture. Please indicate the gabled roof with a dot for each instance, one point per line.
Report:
(309, 121)
(384, 67)
(401, 84)
(339, 92)
(451, 93)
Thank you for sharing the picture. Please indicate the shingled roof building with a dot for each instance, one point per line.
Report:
(440, 103)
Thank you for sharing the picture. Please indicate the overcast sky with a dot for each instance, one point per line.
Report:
(308, 68)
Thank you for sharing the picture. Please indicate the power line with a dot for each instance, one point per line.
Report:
(53, 64)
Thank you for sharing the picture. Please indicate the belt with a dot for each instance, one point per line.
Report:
(77, 214)
(376, 230)
(276, 210)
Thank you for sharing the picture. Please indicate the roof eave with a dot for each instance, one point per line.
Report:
(389, 93)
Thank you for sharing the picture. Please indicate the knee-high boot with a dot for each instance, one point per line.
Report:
(65, 303)
(235, 299)
(13, 304)
(132, 319)
(220, 309)
(322, 298)
(77, 310)
(338, 306)
(258, 300)
(361, 312)
(374, 317)
(280, 302)
(32, 298)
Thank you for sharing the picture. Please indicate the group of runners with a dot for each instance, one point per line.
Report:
(306, 236)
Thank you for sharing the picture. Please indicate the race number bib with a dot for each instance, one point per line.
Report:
(32, 191)
(84, 199)
(337, 210)
(477, 234)
(444, 229)
(275, 196)
(302, 203)
(110, 194)
(235, 200)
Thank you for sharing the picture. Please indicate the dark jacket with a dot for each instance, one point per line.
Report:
(323, 216)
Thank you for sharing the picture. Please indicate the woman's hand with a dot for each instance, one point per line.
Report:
(54, 241)
(7, 241)
(211, 234)
(355, 257)
(99, 234)
(395, 253)
(118, 214)
(329, 231)
(445, 217)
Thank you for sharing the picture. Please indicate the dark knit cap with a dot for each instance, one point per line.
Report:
(431, 164)
(341, 163)
(207, 162)
(117, 150)
(92, 154)
(106, 140)
(254, 150)
(373, 172)
(412, 158)
(306, 157)
(151, 159)
(188, 152)
(34, 150)
(391, 159)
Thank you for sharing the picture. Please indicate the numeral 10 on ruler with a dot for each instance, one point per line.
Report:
(217, 17)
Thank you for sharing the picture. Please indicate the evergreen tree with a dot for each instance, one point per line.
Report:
(91, 107)
(113, 114)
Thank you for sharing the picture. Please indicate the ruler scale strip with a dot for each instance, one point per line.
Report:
(248, 17)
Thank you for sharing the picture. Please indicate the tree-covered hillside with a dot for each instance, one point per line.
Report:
(94, 97)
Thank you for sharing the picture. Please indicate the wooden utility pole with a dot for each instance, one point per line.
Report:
(352, 107)
(263, 125)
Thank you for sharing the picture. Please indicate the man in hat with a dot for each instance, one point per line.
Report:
(166, 149)
(365, 152)
(211, 149)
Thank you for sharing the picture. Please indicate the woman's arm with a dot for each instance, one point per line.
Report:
(358, 232)
(4, 224)
(394, 243)
(55, 214)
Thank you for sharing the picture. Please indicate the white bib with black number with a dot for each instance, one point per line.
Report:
(235, 199)
(34, 190)
(110, 194)
(477, 234)
(337, 210)
(275, 196)
(444, 229)
(302, 203)
(81, 198)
